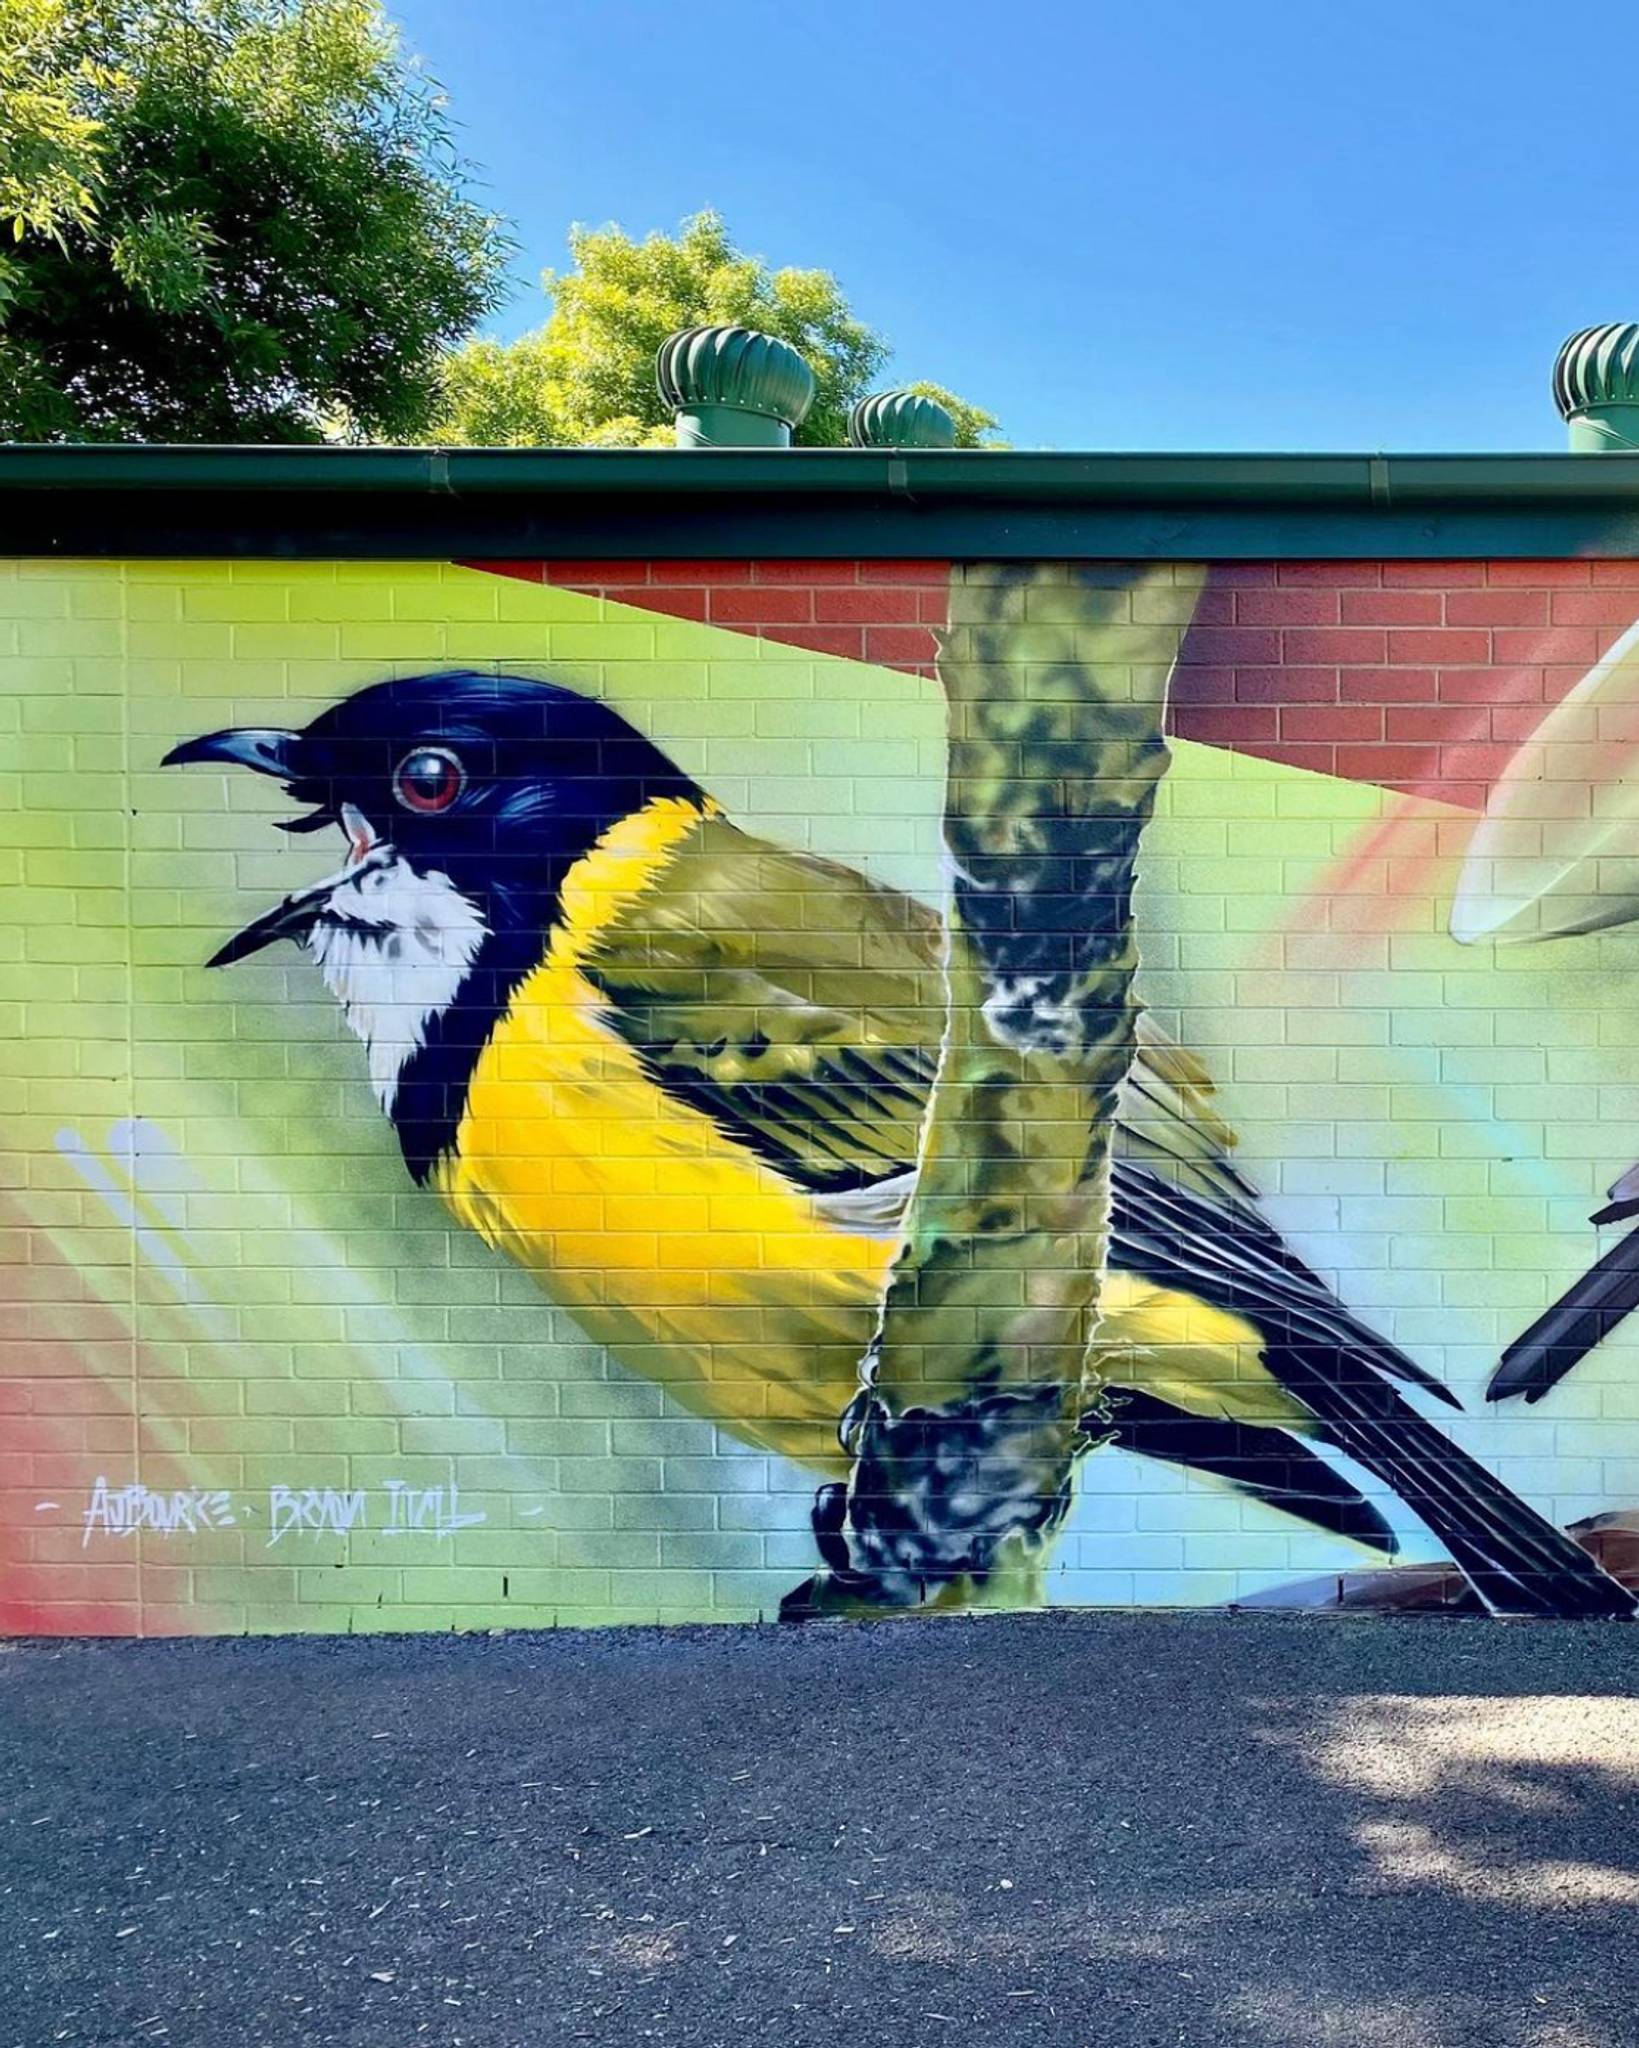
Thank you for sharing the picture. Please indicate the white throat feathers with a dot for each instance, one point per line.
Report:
(394, 946)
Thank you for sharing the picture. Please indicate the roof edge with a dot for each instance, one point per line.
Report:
(966, 474)
(617, 503)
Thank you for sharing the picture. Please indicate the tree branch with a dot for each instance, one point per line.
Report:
(973, 1397)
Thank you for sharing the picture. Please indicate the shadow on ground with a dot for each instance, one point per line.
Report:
(1260, 1831)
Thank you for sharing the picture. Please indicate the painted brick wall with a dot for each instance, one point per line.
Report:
(885, 613)
(1422, 676)
(1418, 676)
(252, 1377)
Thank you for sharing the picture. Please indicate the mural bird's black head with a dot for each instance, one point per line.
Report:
(495, 782)
(464, 799)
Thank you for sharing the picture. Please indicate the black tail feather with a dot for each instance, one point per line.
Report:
(1516, 1560)
(1267, 1464)
(1344, 1376)
(1562, 1336)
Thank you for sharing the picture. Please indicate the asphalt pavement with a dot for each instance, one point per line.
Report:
(1096, 1831)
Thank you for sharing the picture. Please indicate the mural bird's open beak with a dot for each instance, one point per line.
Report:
(268, 751)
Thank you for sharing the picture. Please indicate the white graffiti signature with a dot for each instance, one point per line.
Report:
(123, 1510)
(318, 1511)
(403, 1509)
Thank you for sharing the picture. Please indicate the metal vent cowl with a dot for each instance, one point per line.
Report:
(901, 419)
(1596, 387)
(732, 387)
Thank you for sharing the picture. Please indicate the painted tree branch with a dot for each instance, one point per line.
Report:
(974, 1397)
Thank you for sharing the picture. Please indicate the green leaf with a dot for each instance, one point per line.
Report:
(586, 377)
(234, 220)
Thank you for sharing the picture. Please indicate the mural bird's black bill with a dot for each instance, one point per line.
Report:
(1540, 1357)
(266, 749)
(297, 914)
(294, 918)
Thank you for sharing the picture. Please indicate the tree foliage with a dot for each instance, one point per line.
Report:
(586, 378)
(226, 220)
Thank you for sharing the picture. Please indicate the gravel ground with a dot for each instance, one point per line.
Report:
(1094, 1831)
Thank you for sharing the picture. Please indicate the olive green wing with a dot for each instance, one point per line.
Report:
(801, 1007)
(790, 999)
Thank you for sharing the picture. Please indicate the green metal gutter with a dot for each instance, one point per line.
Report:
(600, 503)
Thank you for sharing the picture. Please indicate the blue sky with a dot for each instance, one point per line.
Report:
(1191, 225)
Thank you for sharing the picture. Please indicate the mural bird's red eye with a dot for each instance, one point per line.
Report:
(430, 779)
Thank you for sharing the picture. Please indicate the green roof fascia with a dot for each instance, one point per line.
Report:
(529, 503)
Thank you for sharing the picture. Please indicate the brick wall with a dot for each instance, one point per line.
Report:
(251, 1377)
(1421, 676)
(1418, 676)
(880, 612)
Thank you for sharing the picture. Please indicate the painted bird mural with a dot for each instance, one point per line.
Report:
(679, 1074)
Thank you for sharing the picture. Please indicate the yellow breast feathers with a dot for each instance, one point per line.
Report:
(671, 1242)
